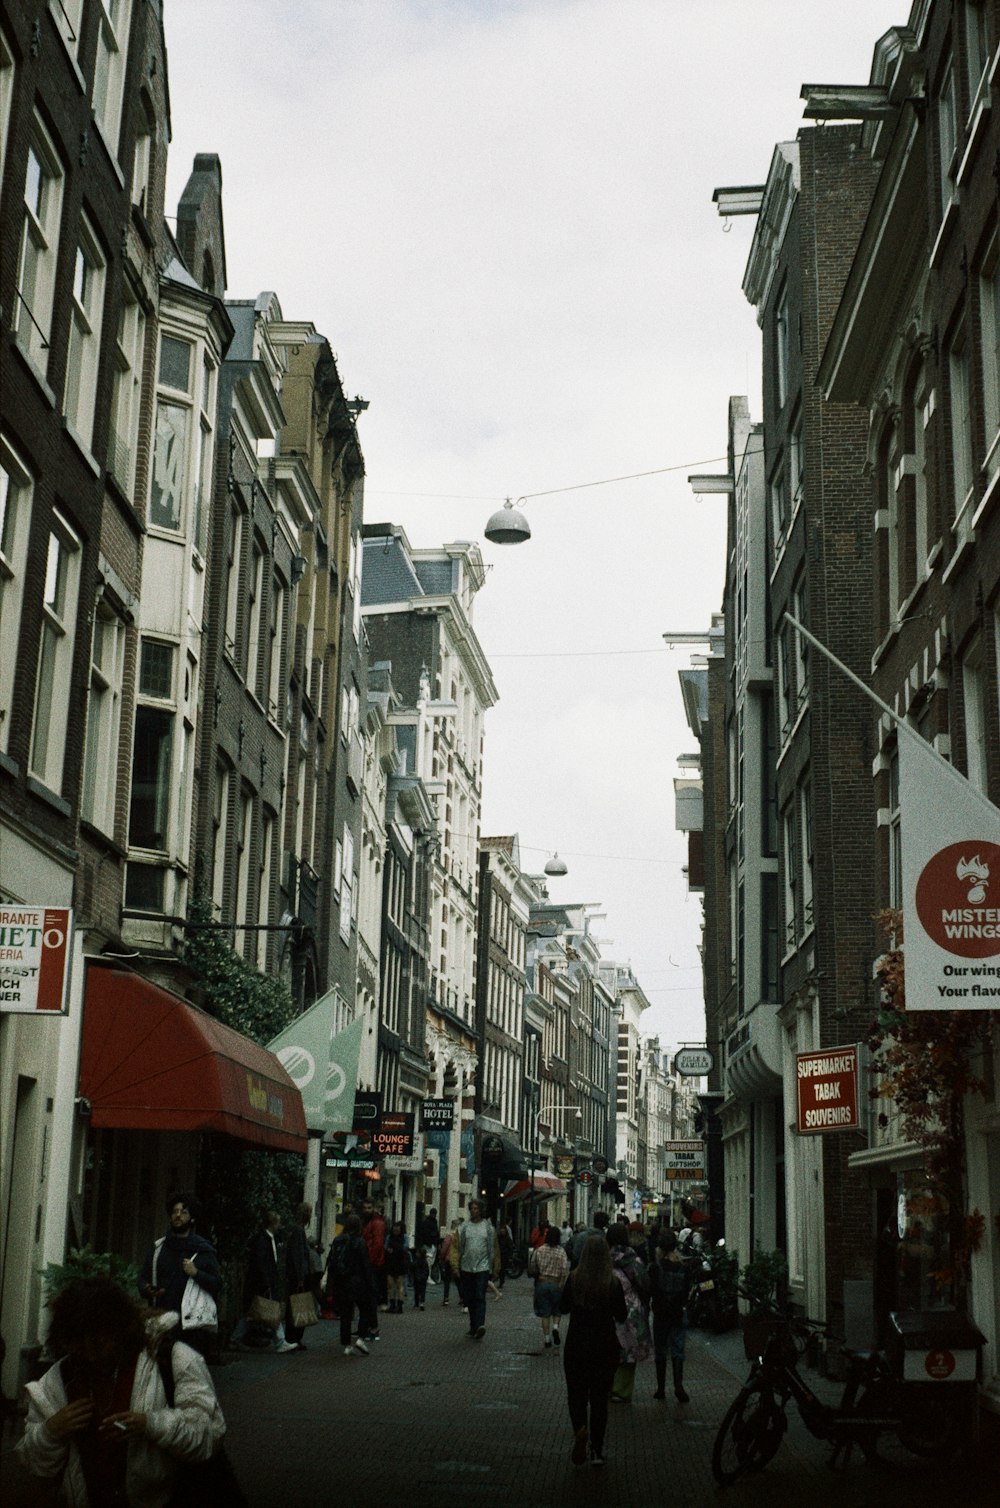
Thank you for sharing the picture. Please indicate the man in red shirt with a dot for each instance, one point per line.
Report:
(373, 1233)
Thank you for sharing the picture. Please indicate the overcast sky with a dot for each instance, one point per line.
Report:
(500, 215)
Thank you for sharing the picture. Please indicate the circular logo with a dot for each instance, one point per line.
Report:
(336, 1080)
(939, 1365)
(958, 899)
(298, 1063)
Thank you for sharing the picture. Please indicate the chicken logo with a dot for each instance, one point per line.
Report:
(979, 873)
(954, 906)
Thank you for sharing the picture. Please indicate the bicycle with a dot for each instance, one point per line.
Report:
(874, 1402)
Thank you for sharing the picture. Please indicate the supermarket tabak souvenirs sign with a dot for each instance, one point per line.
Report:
(34, 959)
(950, 841)
(827, 1087)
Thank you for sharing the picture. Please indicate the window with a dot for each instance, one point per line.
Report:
(806, 836)
(15, 519)
(126, 396)
(778, 490)
(919, 416)
(895, 839)
(795, 463)
(347, 886)
(36, 272)
(55, 656)
(171, 442)
(961, 423)
(244, 845)
(791, 859)
(100, 767)
(114, 21)
(206, 437)
(86, 313)
(142, 163)
(781, 349)
(233, 564)
(264, 886)
(977, 46)
(253, 633)
(67, 15)
(989, 304)
(770, 962)
(947, 112)
(974, 699)
(220, 814)
(801, 647)
(6, 97)
(277, 610)
(152, 757)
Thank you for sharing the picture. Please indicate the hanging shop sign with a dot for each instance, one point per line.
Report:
(827, 1085)
(367, 1111)
(34, 959)
(585, 1177)
(950, 844)
(599, 1164)
(394, 1136)
(684, 1159)
(694, 1062)
(437, 1115)
(565, 1166)
(400, 1163)
(491, 1148)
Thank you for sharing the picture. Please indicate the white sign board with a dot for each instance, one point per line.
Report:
(34, 959)
(950, 840)
(684, 1159)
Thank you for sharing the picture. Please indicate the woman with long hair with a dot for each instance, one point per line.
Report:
(595, 1302)
(101, 1418)
(634, 1340)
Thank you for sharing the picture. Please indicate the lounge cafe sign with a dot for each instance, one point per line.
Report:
(827, 1085)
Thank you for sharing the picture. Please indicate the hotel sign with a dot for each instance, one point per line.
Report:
(34, 959)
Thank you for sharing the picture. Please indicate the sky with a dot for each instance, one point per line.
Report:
(501, 217)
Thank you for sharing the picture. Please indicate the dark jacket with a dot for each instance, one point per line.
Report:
(397, 1257)
(349, 1270)
(669, 1286)
(170, 1274)
(296, 1260)
(591, 1339)
(262, 1267)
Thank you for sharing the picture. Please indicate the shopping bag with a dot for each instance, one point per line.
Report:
(198, 1310)
(265, 1312)
(303, 1307)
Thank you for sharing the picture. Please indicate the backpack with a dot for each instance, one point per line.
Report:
(199, 1484)
(339, 1260)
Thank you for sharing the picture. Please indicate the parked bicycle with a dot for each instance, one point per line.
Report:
(924, 1417)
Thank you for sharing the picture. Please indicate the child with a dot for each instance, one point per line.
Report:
(421, 1272)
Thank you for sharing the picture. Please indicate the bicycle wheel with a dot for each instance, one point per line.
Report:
(749, 1434)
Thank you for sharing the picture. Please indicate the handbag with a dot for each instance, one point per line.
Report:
(199, 1484)
(198, 1308)
(265, 1312)
(303, 1307)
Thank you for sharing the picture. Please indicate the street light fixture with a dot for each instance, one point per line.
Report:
(537, 1115)
(508, 526)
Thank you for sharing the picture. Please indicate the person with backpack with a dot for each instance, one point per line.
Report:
(398, 1263)
(671, 1278)
(351, 1284)
(102, 1417)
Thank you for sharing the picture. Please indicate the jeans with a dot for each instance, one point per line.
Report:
(588, 1384)
(474, 1293)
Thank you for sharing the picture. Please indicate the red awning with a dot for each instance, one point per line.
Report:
(544, 1186)
(152, 1062)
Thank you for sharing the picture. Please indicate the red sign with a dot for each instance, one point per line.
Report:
(394, 1137)
(827, 1084)
(939, 1365)
(34, 958)
(954, 901)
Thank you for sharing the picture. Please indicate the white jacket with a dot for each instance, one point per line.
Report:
(190, 1431)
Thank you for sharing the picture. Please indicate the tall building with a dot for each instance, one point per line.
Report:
(916, 343)
(418, 607)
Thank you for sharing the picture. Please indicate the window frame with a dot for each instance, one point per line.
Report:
(53, 677)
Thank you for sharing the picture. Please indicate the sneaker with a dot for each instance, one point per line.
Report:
(596, 1456)
(348, 1350)
(287, 1345)
(359, 1345)
(555, 1337)
(548, 1342)
(444, 1303)
(578, 1455)
(480, 1332)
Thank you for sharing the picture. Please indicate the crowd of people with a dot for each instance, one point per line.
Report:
(128, 1413)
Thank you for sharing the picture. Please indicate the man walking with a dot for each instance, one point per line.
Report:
(373, 1234)
(172, 1262)
(598, 1228)
(476, 1239)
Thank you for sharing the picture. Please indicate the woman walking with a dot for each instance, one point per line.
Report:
(671, 1278)
(633, 1333)
(595, 1302)
(550, 1266)
(351, 1284)
(397, 1266)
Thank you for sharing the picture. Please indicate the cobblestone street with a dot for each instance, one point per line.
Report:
(433, 1417)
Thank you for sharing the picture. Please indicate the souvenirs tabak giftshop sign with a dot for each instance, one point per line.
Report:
(950, 842)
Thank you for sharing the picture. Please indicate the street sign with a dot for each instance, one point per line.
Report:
(827, 1087)
(394, 1137)
(694, 1062)
(684, 1159)
(34, 959)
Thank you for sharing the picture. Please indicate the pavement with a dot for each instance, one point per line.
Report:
(432, 1418)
